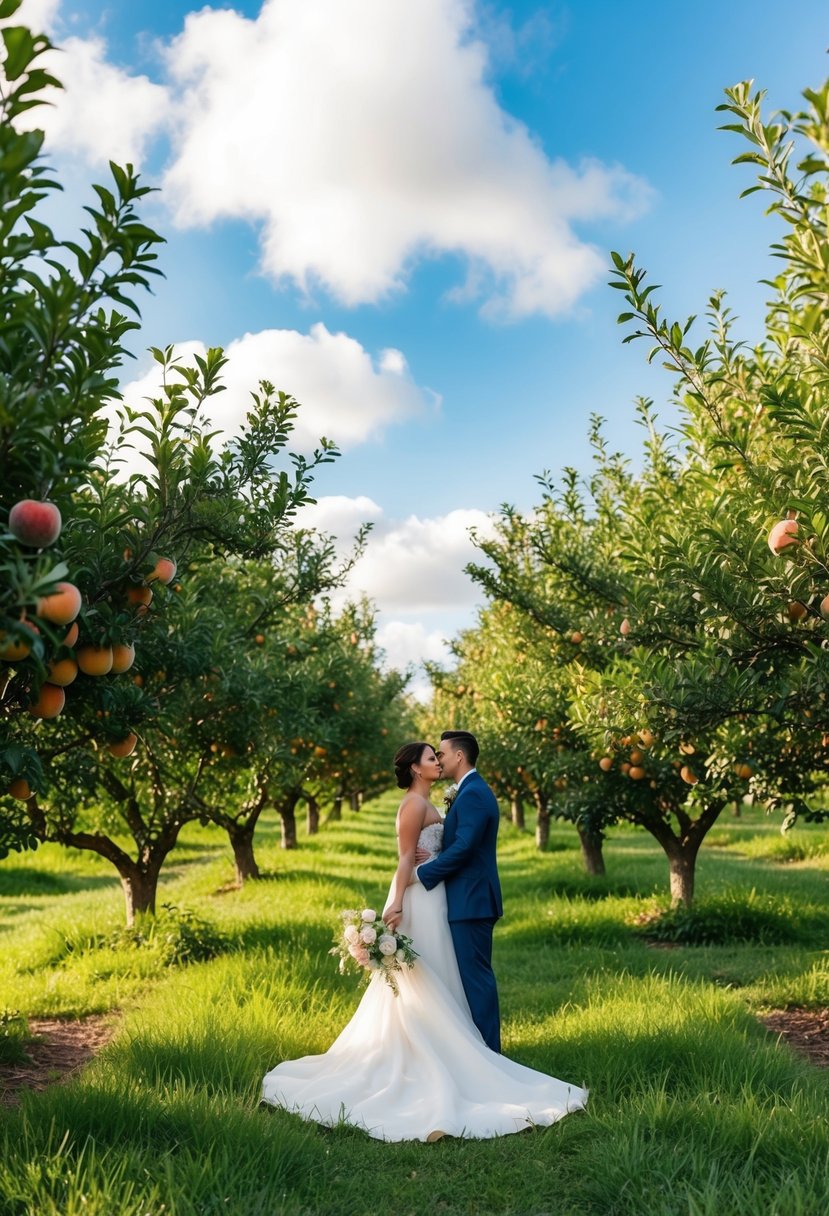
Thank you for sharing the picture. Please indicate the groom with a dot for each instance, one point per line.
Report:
(467, 867)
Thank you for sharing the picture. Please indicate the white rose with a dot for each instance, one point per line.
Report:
(352, 934)
(368, 935)
(400, 955)
(368, 914)
(387, 943)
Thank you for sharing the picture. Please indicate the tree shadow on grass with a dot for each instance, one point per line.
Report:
(20, 880)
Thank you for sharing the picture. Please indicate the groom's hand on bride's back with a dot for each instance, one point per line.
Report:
(391, 917)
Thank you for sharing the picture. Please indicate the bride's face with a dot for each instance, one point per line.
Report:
(428, 766)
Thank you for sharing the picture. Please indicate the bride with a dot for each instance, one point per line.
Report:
(414, 1066)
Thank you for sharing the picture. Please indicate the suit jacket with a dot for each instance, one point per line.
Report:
(467, 863)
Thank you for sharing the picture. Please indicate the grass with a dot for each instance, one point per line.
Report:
(695, 1109)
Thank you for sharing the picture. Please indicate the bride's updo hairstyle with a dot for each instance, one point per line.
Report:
(404, 758)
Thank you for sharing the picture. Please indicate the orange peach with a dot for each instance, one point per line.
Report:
(60, 606)
(123, 657)
(139, 595)
(20, 789)
(94, 660)
(782, 535)
(688, 775)
(71, 634)
(63, 672)
(123, 747)
(606, 764)
(164, 571)
(49, 703)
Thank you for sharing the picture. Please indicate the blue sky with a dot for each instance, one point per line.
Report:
(487, 388)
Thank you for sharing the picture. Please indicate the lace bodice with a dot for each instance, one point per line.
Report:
(431, 838)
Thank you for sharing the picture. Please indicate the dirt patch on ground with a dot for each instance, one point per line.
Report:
(806, 1030)
(59, 1050)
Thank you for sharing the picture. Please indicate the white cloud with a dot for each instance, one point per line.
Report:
(392, 147)
(102, 113)
(416, 566)
(362, 136)
(340, 516)
(409, 644)
(39, 15)
(344, 394)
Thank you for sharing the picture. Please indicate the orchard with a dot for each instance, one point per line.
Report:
(665, 655)
(198, 721)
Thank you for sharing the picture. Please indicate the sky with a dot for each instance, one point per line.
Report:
(402, 212)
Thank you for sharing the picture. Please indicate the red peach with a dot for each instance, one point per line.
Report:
(34, 523)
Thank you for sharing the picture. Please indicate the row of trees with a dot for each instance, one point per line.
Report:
(168, 650)
(656, 644)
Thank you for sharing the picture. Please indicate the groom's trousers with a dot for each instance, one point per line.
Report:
(473, 948)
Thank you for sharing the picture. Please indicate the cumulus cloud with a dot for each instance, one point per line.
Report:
(413, 570)
(39, 15)
(393, 147)
(345, 395)
(103, 112)
(360, 136)
(414, 566)
(409, 644)
(339, 515)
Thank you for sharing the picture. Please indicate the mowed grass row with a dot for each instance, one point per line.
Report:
(694, 1107)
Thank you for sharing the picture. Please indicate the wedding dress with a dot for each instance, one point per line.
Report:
(409, 1065)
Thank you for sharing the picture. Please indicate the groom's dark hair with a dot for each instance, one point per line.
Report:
(465, 742)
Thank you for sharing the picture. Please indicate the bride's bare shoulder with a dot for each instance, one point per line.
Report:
(413, 801)
(412, 806)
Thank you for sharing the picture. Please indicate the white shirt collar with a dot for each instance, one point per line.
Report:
(464, 777)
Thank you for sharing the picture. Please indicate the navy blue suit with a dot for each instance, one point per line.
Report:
(467, 866)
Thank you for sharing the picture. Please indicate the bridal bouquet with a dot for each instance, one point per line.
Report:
(366, 941)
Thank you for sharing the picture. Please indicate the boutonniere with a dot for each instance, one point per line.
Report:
(450, 796)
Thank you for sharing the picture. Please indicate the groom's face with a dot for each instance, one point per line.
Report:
(450, 758)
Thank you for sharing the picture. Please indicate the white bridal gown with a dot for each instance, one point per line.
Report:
(415, 1063)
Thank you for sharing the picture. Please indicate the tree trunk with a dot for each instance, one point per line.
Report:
(355, 800)
(737, 809)
(591, 850)
(336, 811)
(313, 814)
(516, 808)
(682, 867)
(246, 865)
(681, 849)
(287, 813)
(140, 887)
(542, 824)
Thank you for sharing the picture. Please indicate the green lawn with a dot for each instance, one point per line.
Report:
(694, 1109)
